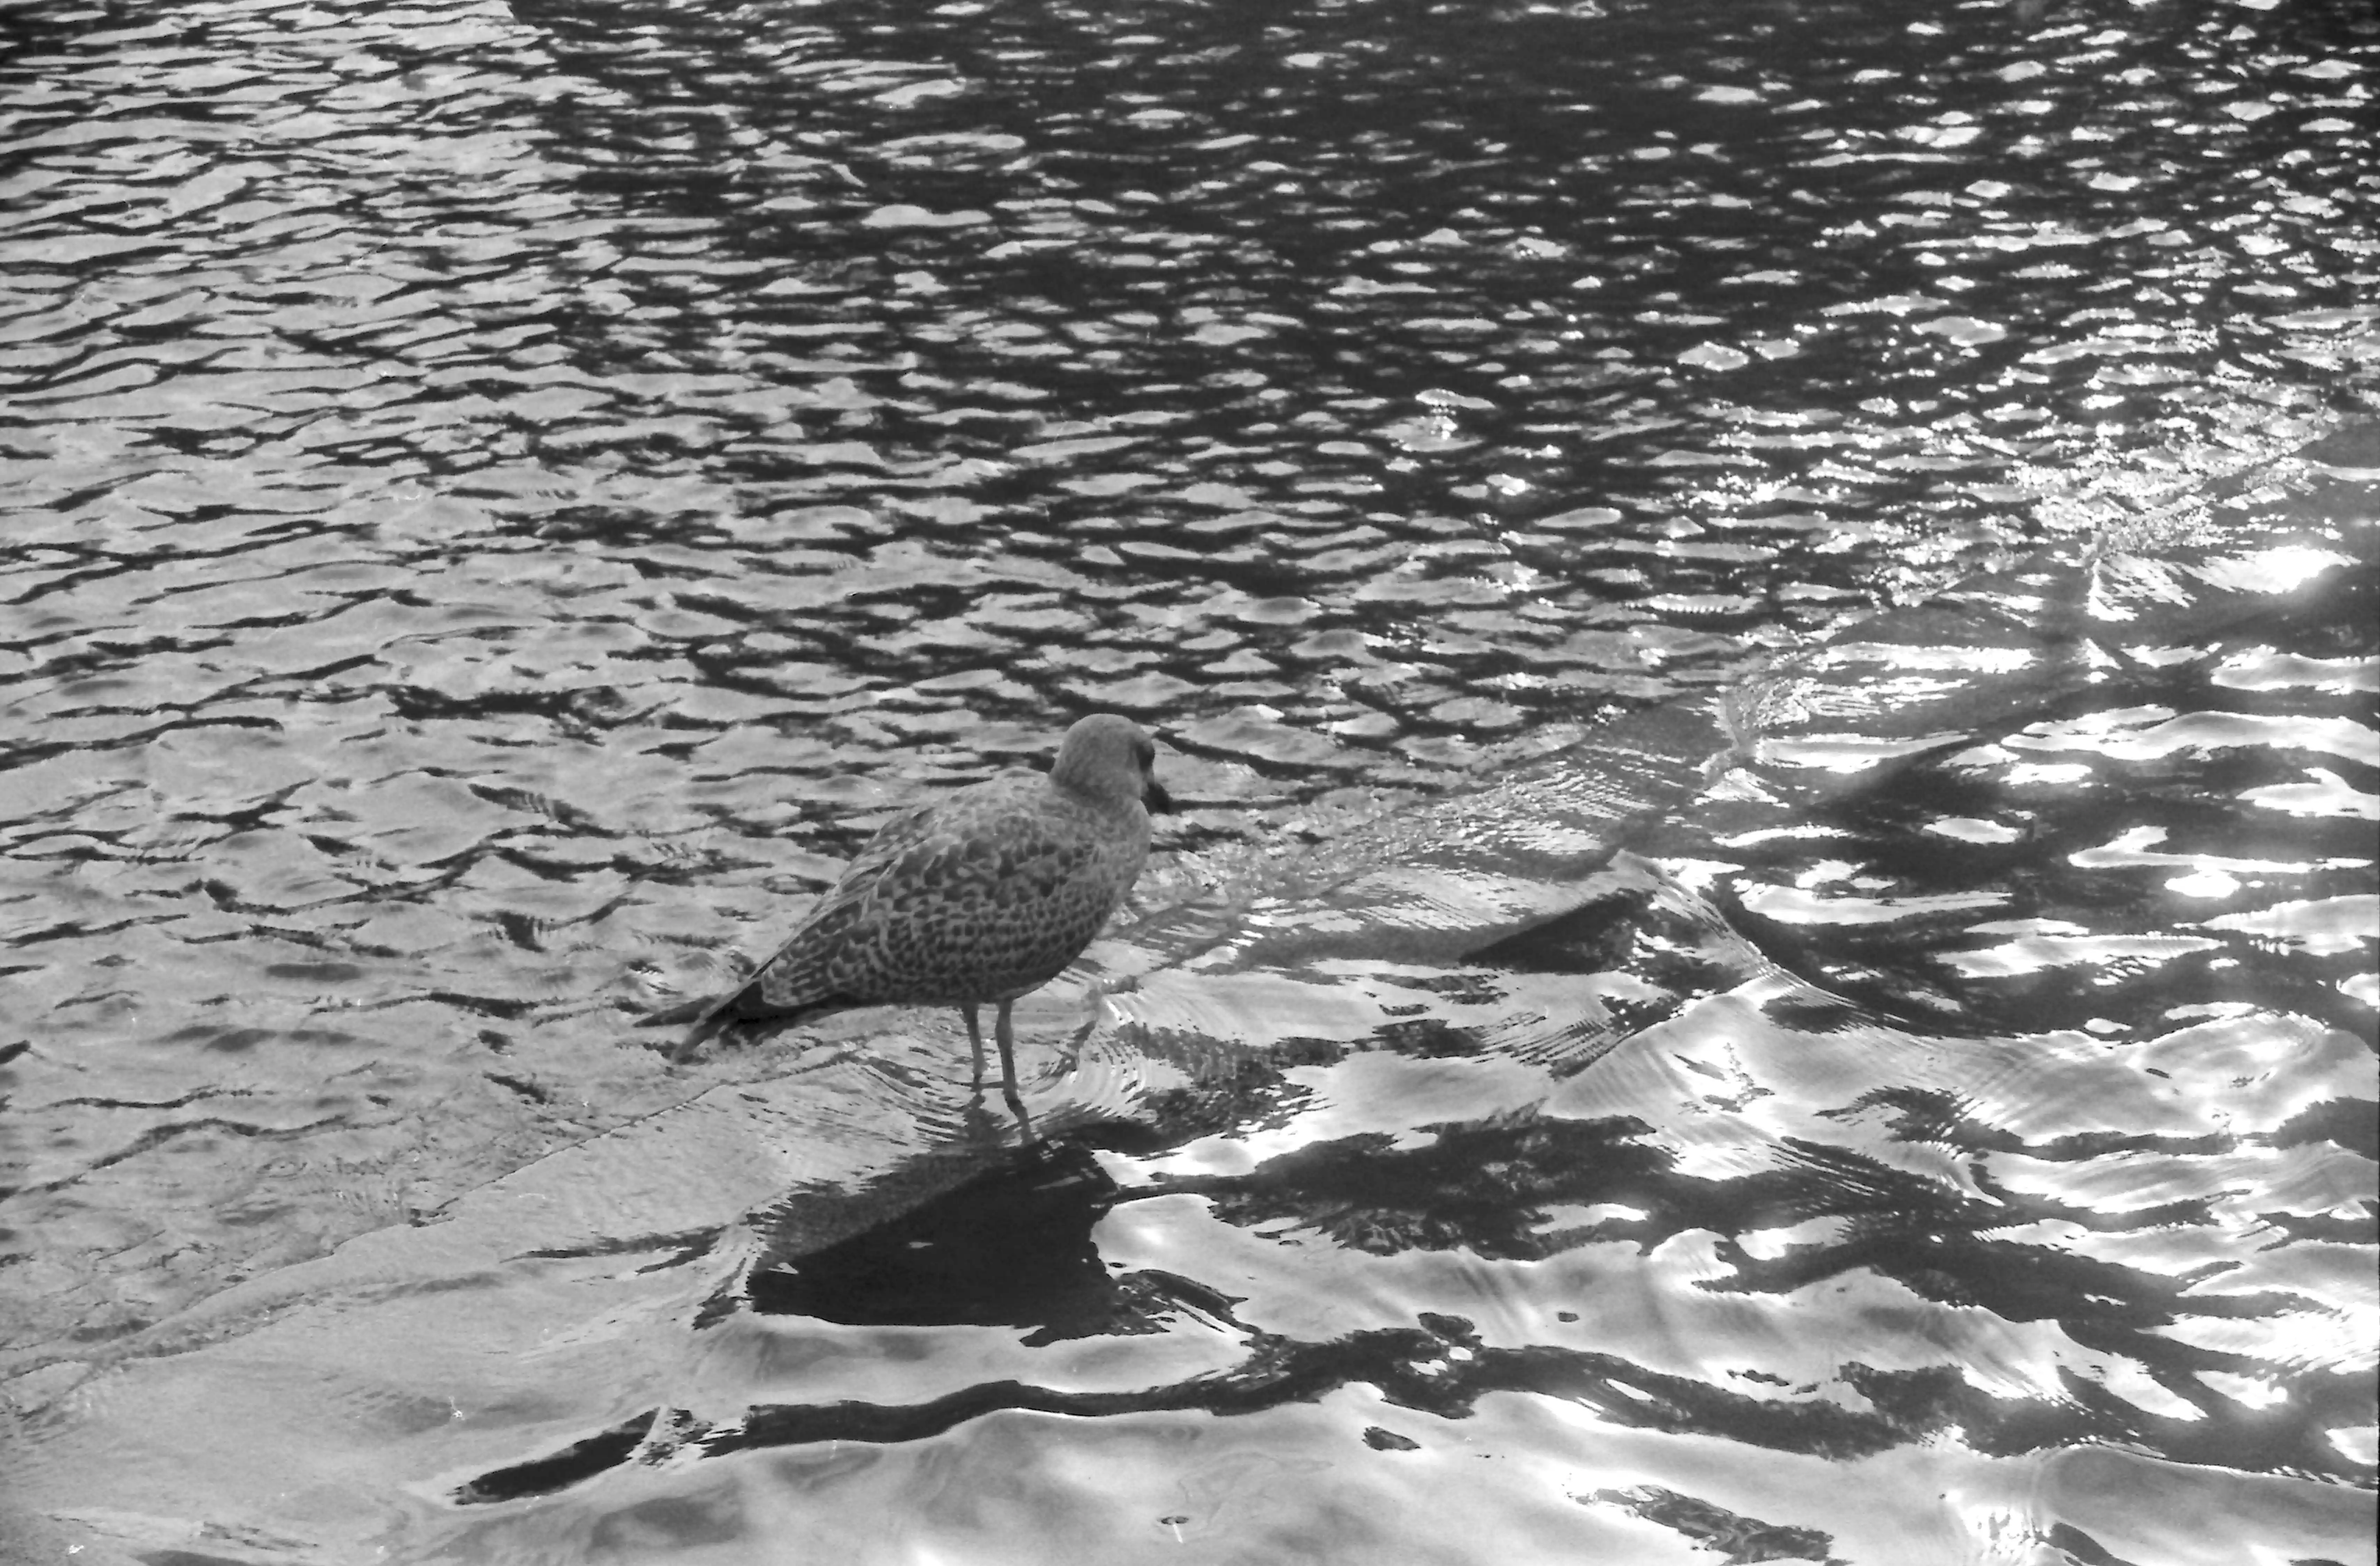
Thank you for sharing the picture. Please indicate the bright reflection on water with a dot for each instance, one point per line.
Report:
(1763, 615)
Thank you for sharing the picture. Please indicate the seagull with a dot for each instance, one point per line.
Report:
(976, 898)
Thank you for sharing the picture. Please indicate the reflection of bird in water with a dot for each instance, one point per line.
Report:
(977, 897)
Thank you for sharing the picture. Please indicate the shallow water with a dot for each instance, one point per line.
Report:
(1763, 615)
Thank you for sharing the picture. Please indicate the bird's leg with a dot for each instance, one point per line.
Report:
(1005, 1036)
(975, 1042)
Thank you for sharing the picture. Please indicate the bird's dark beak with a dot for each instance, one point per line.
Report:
(1155, 797)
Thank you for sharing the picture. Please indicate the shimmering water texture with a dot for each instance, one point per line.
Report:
(1764, 617)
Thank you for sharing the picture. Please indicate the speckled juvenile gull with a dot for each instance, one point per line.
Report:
(977, 897)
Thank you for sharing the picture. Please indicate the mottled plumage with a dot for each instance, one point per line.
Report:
(977, 897)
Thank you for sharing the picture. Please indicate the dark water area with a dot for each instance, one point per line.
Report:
(1763, 615)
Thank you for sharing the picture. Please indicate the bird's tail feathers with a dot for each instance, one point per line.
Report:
(678, 1015)
(723, 1015)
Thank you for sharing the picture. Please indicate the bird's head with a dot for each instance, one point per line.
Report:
(1110, 758)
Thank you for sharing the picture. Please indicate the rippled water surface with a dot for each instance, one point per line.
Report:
(1761, 614)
